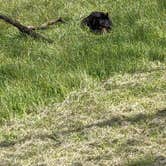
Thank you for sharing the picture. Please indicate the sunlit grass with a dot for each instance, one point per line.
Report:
(34, 73)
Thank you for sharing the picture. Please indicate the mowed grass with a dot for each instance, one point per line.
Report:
(86, 99)
(119, 122)
(34, 73)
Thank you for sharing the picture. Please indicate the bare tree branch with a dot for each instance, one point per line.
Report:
(47, 24)
(30, 30)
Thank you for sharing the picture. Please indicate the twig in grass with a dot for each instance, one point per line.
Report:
(47, 24)
(30, 30)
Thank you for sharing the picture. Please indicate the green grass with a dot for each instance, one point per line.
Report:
(34, 73)
(117, 122)
(85, 99)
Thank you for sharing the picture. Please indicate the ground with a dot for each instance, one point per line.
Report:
(117, 122)
(86, 99)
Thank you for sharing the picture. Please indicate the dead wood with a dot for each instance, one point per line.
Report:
(30, 30)
(47, 24)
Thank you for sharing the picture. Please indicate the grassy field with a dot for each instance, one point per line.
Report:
(120, 122)
(57, 99)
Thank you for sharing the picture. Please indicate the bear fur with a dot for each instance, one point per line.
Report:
(98, 22)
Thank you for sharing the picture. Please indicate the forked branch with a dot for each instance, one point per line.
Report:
(30, 30)
(47, 24)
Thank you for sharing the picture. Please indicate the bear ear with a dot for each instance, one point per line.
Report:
(106, 14)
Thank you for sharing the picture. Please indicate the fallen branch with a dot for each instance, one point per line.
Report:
(30, 30)
(47, 24)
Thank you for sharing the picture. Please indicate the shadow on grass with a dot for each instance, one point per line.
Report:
(148, 160)
(119, 121)
(18, 45)
(16, 71)
(115, 121)
(6, 144)
(13, 45)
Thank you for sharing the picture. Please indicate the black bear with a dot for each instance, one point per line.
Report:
(98, 22)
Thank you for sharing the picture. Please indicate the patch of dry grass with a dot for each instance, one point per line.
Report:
(118, 122)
